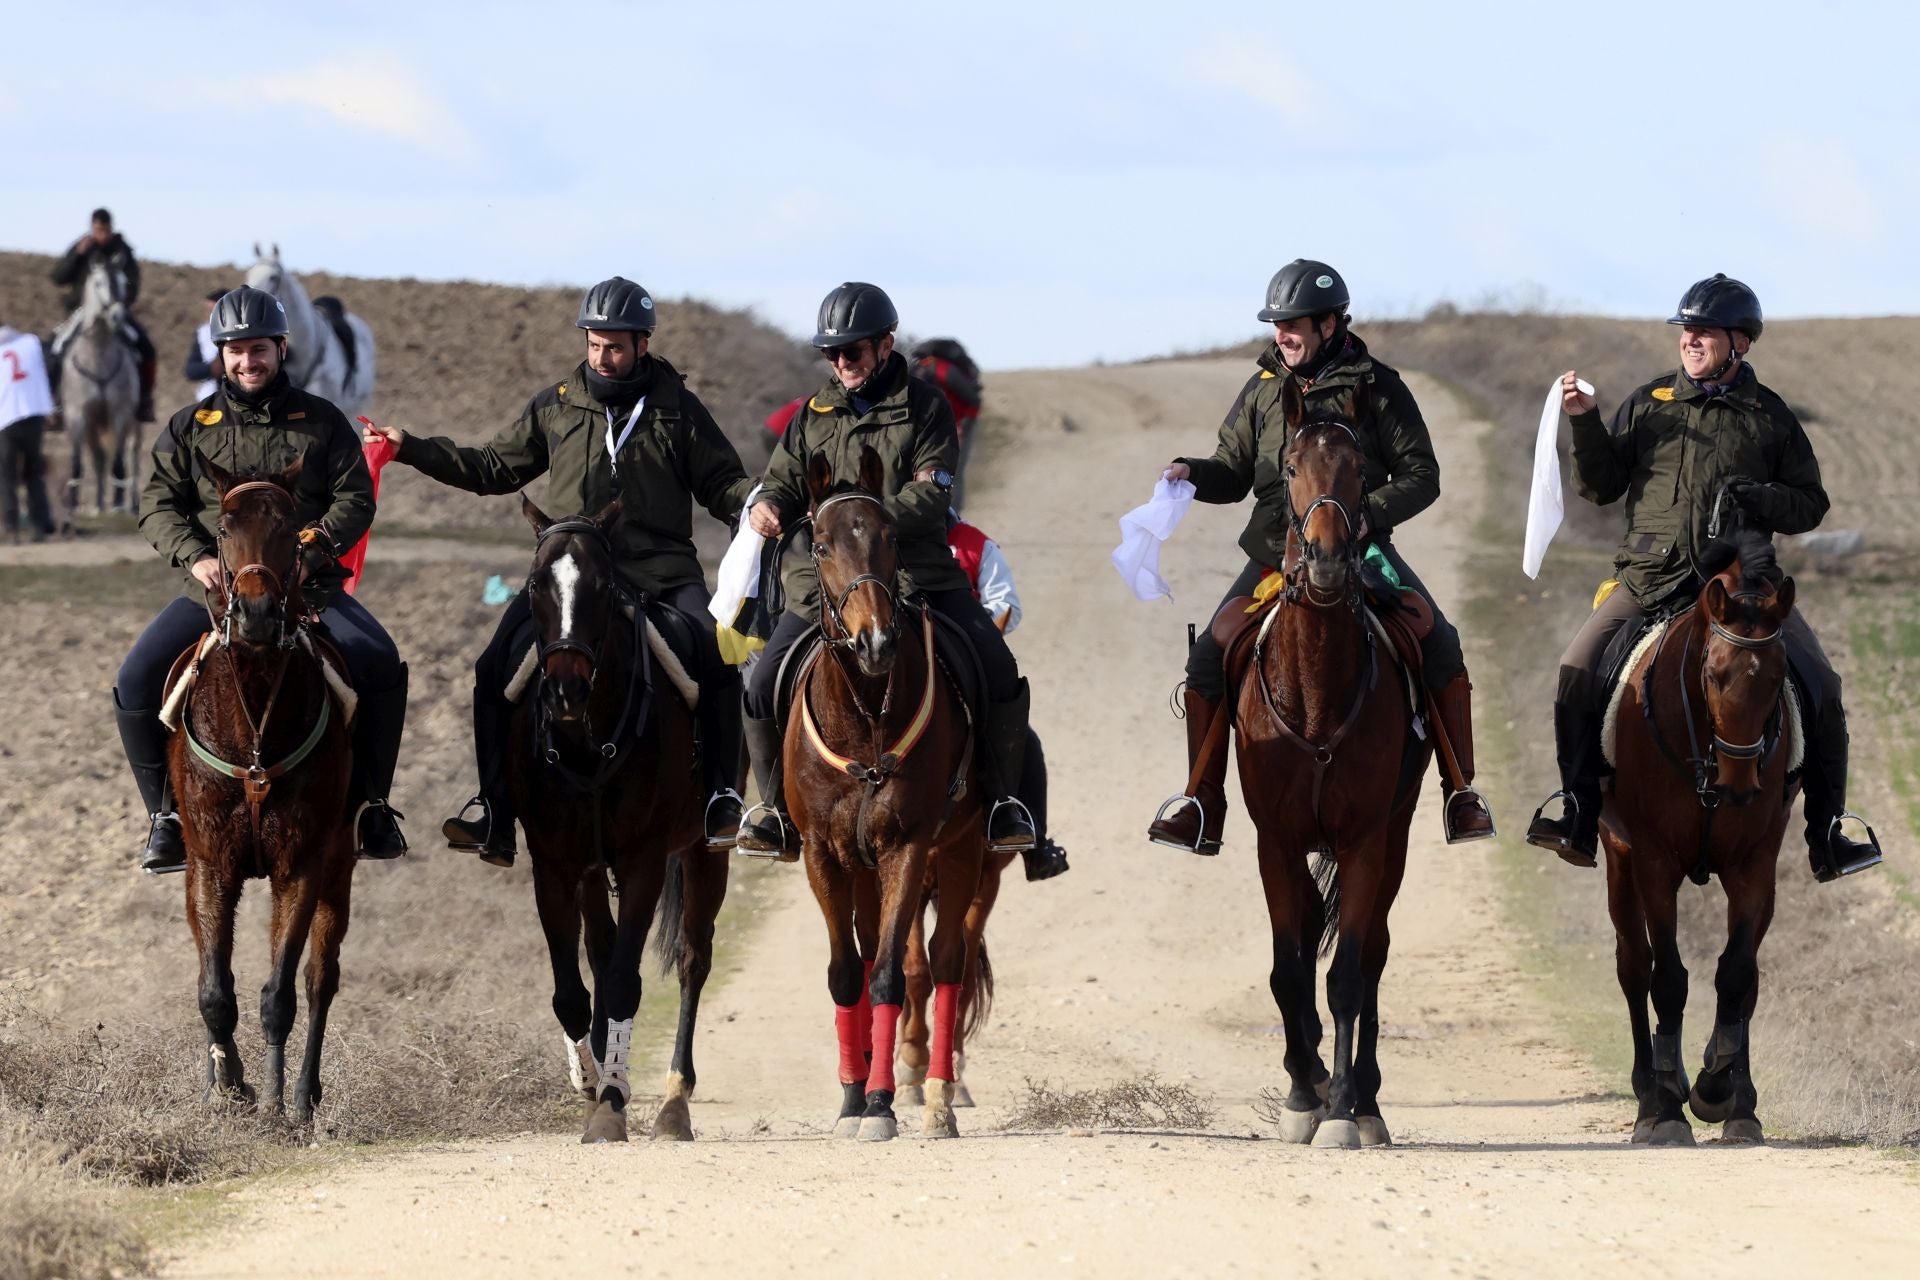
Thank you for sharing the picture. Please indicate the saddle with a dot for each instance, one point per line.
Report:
(1402, 618)
(951, 649)
(186, 670)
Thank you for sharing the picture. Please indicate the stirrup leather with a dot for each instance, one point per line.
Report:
(1173, 804)
(787, 835)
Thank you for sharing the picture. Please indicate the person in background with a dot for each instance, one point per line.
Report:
(944, 364)
(204, 355)
(103, 244)
(26, 402)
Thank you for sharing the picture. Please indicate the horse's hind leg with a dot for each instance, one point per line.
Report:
(1724, 1091)
(294, 902)
(1294, 906)
(616, 996)
(556, 897)
(978, 985)
(910, 1081)
(958, 871)
(1633, 964)
(704, 886)
(329, 930)
(1360, 889)
(211, 899)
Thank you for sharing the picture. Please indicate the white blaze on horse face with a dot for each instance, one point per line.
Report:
(566, 577)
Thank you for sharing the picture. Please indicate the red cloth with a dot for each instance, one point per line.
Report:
(379, 454)
(964, 414)
(780, 419)
(968, 544)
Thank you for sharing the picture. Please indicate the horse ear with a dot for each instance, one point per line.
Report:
(1783, 599)
(1715, 598)
(535, 516)
(873, 476)
(1293, 403)
(222, 479)
(609, 515)
(276, 251)
(819, 477)
(256, 250)
(287, 478)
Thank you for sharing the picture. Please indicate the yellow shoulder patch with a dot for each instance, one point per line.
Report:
(207, 417)
(1267, 373)
(817, 407)
(1662, 393)
(561, 391)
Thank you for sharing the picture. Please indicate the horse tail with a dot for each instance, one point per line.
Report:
(1326, 879)
(976, 995)
(668, 915)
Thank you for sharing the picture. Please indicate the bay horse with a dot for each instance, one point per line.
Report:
(99, 390)
(1330, 766)
(259, 761)
(602, 764)
(882, 787)
(1701, 787)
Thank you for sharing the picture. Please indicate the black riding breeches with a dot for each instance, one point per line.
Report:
(373, 664)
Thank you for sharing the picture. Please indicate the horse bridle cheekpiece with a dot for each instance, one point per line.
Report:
(1752, 750)
(582, 527)
(834, 606)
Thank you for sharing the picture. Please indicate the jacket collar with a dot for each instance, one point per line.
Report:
(259, 408)
(1348, 368)
(1745, 388)
(663, 391)
(889, 383)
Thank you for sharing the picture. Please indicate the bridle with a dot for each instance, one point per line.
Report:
(282, 590)
(1704, 765)
(1761, 746)
(1299, 586)
(836, 606)
(639, 685)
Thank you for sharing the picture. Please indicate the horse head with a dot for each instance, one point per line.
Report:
(1743, 665)
(573, 589)
(103, 297)
(258, 543)
(1321, 466)
(267, 273)
(857, 552)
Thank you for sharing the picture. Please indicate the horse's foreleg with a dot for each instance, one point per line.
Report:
(910, 1078)
(1360, 887)
(899, 896)
(847, 978)
(328, 931)
(1293, 908)
(1658, 890)
(556, 897)
(1724, 1091)
(294, 903)
(704, 887)
(616, 998)
(1633, 966)
(211, 899)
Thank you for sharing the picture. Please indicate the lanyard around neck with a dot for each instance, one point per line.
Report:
(615, 446)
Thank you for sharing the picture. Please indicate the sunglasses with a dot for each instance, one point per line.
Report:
(838, 355)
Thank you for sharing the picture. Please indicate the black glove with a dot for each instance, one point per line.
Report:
(1748, 495)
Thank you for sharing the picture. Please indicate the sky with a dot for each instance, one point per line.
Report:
(1051, 183)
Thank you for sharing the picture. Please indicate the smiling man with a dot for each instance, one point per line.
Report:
(1675, 449)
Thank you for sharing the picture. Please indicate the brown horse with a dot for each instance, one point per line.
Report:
(259, 765)
(1701, 787)
(879, 758)
(1329, 764)
(601, 759)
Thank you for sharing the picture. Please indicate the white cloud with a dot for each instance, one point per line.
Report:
(1816, 184)
(375, 91)
(1256, 68)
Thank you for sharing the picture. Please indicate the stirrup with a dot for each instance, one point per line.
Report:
(468, 846)
(787, 836)
(360, 853)
(1564, 848)
(164, 868)
(1027, 842)
(1173, 804)
(1866, 863)
(720, 844)
(1491, 830)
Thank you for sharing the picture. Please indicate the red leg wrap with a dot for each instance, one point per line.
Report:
(847, 1028)
(886, 1021)
(946, 1018)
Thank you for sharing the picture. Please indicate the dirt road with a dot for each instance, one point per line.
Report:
(1141, 960)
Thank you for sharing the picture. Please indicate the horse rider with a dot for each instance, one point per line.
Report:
(202, 367)
(873, 399)
(622, 424)
(1315, 349)
(257, 424)
(102, 244)
(991, 578)
(1672, 449)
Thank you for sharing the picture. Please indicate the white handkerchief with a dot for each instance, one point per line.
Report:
(1142, 530)
(1546, 504)
(739, 578)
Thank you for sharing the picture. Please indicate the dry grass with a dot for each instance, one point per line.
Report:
(1143, 1103)
(53, 1225)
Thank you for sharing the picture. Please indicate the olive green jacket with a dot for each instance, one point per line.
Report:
(675, 455)
(181, 504)
(1668, 450)
(1400, 475)
(911, 428)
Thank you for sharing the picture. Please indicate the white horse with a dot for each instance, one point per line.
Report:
(316, 362)
(99, 390)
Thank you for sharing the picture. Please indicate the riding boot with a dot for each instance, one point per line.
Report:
(1830, 851)
(766, 831)
(1575, 834)
(376, 751)
(1466, 816)
(1009, 825)
(144, 411)
(491, 834)
(1197, 822)
(720, 716)
(145, 741)
(1046, 859)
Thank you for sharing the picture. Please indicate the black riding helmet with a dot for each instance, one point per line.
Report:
(852, 312)
(1720, 302)
(617, 306)
(1304, 288)
(247, 312)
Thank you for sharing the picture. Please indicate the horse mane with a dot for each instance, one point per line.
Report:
(1759, 567)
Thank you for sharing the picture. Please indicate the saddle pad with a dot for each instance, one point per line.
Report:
(1796, 743)
(663, 655)
(186, 670)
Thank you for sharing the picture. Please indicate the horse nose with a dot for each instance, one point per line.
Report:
(259, 617)
(875, 649)
(567, 697)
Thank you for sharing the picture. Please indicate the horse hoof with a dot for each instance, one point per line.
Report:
(961, 1096)
(1344, 1134)
(1709, 1112)
(1742, 1131)
(847, 1127)
(939, 1122)
(1373, 1131)
(1298, 1127)
(1643, 1130)
(673, 1123)
(1672, 1133)
(877, 1129)
(910, 1095)
(605, 1125)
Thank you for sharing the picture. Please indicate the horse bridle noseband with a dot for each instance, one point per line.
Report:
(835, 606)
(1299, 587)
(230, 578)
(1703, 763)
(1753, 750)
